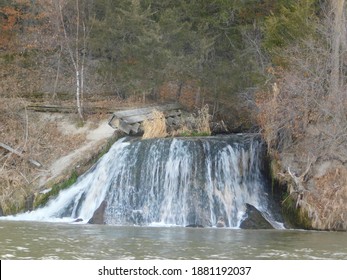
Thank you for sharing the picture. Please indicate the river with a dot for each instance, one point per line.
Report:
(140, 188)
(40, 240)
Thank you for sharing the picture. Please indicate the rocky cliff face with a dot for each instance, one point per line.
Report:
(307, 143)
(317, 191)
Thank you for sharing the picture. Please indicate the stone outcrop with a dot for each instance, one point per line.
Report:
(98, 217)
(254, 219)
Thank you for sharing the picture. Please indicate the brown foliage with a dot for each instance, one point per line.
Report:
(8, 19)
(203, 119)
(155, 127)
(26, 25)
(329, 209)
(195, 124)
(303, 116)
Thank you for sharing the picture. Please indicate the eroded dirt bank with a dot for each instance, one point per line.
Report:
(59, 142)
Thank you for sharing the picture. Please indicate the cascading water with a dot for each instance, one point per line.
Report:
(179, 181)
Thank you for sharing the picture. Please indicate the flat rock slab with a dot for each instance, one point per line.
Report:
(130, 120)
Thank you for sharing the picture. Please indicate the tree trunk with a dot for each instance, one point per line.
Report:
(75, 57)
(57, 75)
(78, 93)
(179, 90)
(335, 78)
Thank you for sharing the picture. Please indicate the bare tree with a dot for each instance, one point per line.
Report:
(338, 7)
(303, 117)
(74, 49)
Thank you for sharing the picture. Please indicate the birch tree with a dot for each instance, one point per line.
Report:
(76, 47)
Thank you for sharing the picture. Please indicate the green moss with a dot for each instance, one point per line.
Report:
(193, 134)
(295, 217)
(42, 199)
(13, 206)
(108, 146)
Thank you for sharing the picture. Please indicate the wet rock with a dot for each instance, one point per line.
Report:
(195, 226)
(29, 202)
(78, 220)
(137, 217)
(98, 216)
(253, 219)
(220, 222)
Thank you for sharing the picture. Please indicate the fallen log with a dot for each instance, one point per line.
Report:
(51, 109)
(68, 109)
(20, 154)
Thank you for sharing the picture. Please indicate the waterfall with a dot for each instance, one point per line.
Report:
(176, 181)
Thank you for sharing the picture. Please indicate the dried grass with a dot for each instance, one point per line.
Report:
(326, 204)
(203, 120)
(155, 127)
(196, 124)
(37, 137)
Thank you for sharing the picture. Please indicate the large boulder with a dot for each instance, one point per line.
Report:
(29, 202)
(98, 216)
(253, 219)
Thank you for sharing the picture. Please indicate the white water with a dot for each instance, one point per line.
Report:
(92, 185)
(167, 182)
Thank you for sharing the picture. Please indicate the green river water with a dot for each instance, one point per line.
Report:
(38, 240)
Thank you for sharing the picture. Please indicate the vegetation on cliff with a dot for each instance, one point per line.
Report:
(303, 115)
(276, 66)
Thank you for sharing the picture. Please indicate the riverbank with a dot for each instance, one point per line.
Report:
(63, 145)
(60, 142)
(66, 147)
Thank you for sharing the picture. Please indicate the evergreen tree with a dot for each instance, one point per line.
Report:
(128, 43)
